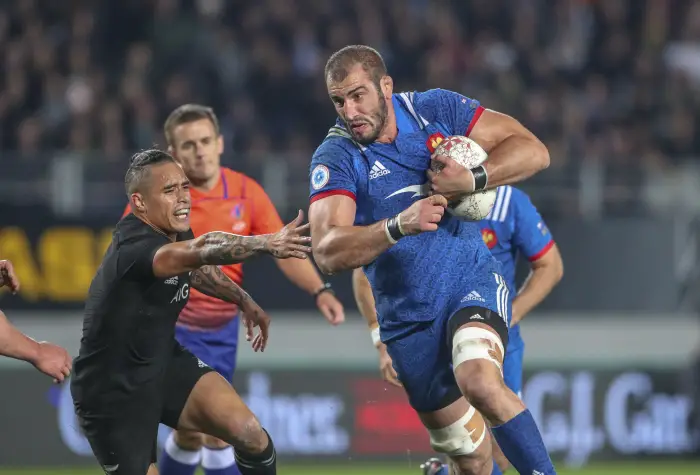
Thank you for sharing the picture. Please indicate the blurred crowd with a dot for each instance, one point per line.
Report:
(609, 85)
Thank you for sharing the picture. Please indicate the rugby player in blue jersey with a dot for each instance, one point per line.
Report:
(369, 209)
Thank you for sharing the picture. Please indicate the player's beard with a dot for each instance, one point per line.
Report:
(376, 122)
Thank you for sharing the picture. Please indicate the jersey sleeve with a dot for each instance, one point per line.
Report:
(265, 219)
(456, 112)
(531, 235)
(136, 256)
(332, 172)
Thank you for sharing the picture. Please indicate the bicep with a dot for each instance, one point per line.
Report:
(493, 127)
(549, 258)
(532, 235)
(176, 258)
(329, 212)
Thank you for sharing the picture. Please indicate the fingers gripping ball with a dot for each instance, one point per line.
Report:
(474, 206)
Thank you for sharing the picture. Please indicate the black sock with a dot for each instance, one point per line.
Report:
(264, 463)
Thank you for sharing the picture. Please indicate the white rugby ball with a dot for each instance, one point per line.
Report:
(474, 206)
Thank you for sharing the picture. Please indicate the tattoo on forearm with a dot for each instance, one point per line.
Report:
(211, 280)
(224, 248)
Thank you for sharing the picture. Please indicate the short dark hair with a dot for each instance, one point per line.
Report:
(140, 165)
(341, 61)
(188, 113)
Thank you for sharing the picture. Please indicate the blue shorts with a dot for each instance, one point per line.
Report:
(423, 358)
(216, 348)
(513, 369)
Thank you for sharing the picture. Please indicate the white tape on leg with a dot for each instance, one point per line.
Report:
(474, 343)
(460, 438)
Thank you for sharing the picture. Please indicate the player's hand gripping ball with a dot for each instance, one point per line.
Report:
(464, 151)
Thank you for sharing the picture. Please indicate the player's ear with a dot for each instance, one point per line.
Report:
(387, 85)
(137, 203)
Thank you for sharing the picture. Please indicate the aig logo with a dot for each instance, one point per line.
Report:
(182, 294)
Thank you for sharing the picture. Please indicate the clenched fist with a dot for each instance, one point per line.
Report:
(423, 215)
(8, 277)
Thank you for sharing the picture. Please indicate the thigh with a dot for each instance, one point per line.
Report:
(486, 303)
(124, 444)
(181, 376)
(513, 369)
(423, 364)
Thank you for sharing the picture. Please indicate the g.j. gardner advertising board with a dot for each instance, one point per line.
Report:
(316, 415)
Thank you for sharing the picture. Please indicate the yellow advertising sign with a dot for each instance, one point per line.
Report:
(61, 265)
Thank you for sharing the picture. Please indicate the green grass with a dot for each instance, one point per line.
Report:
(628, 468)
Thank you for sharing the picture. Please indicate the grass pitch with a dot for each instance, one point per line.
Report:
(357, 468)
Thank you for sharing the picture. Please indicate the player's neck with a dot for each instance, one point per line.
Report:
(390, 131)
(205, 186)
(171, 236)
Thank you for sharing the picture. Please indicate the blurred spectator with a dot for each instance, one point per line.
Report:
(612, 86)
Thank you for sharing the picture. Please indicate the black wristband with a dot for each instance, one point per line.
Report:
(481, 179)
(392, 227)
(326, 287)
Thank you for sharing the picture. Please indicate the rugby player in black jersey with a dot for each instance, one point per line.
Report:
(131, 374)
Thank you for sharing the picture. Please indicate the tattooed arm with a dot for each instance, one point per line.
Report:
(219, 248)
(210, 280)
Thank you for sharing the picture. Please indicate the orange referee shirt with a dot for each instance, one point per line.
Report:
(239, 205)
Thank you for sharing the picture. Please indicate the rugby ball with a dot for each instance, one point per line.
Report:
(474, 206)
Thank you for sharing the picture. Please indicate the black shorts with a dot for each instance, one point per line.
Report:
(124, 440)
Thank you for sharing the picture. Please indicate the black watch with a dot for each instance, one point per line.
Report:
(326, 287)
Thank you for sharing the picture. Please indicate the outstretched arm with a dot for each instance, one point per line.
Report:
(15, 344)
(48, 358)
(211, 280)
(219, 248)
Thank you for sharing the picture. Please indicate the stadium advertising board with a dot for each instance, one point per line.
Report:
(54, 263)
(316, 415)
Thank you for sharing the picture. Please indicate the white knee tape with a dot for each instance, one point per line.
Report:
(469, 344)
(457, 438)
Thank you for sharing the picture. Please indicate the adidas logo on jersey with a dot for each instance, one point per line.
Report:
(171, 281)
(473, 295)
(378, 170)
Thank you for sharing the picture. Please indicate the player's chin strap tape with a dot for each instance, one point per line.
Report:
(393, 230)
(481, 178)
(461, 438)
(473, 343)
